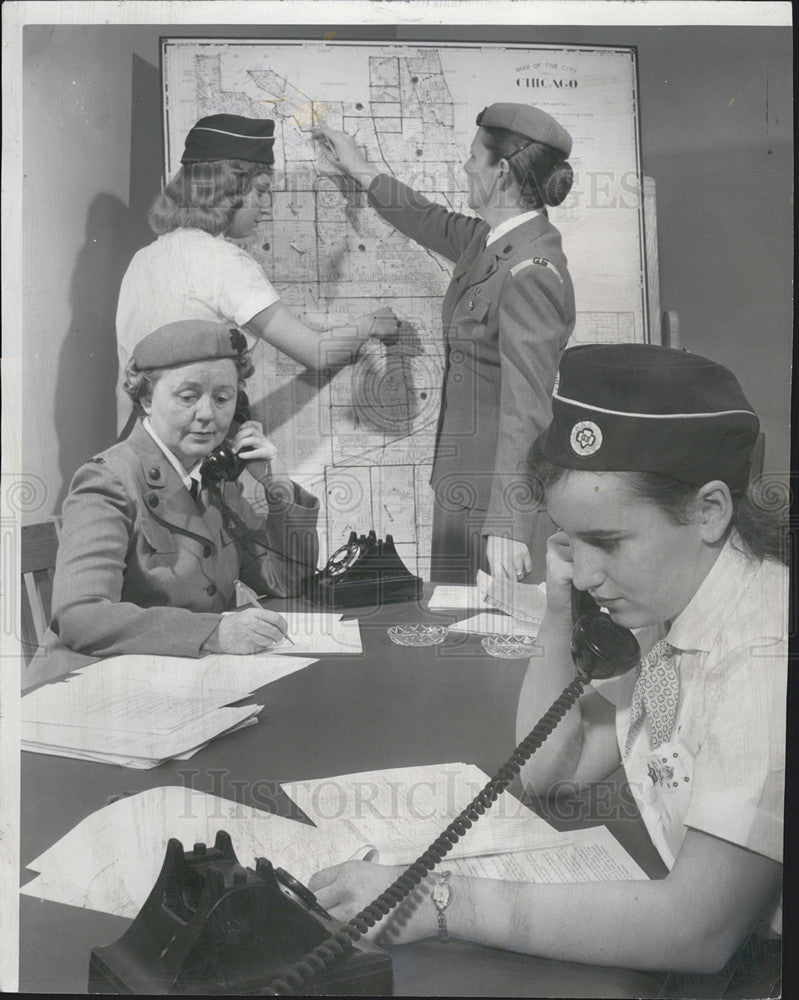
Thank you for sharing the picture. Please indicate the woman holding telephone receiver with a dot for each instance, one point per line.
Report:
(645, 468)
(506, 317)
(221, 191)
(155, 534)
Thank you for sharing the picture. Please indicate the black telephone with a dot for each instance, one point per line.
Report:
(212, 917)
(365, 571)
(223, 465)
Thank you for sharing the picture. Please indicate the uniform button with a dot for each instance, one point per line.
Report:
(153, 501)
(507, 249)
(207, 551)
(231, 524)
(211, 589)
(155, 473)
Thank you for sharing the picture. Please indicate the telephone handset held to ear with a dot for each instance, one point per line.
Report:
(600, 649)
(223, 464)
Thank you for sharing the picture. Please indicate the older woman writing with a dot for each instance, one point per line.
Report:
(150, 553)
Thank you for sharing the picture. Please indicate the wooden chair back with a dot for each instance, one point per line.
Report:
(39, 546)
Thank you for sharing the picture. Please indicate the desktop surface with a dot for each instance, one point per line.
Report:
(391, 706)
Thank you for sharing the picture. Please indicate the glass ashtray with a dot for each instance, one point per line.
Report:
(418, 635)
(509, 647)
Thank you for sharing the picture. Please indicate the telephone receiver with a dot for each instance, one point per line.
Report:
(600, 649)
(223, 465)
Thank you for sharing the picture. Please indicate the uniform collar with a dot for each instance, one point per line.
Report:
(186, 477)
(508, 224)
(698, 624)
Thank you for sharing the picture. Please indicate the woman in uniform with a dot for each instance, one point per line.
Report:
(191, 271)
(150, 551)
(646, 467)
(507, 315)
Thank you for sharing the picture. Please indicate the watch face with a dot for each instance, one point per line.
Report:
(441, 893)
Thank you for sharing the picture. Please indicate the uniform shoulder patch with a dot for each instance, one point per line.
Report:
(536, 262)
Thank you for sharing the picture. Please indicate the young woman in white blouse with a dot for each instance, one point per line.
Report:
(191, 271)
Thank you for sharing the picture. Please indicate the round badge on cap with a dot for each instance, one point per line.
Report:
(585, 438)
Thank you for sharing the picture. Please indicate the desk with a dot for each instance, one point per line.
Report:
(390, 707)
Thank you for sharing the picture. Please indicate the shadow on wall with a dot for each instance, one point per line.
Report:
(87, 364)
(114, 232)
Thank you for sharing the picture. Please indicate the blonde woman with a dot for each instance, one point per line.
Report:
(192, 271)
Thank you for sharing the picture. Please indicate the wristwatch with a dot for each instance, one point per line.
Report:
(441, 896)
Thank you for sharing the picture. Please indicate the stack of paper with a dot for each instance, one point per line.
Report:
(110, 860)
(138, 711)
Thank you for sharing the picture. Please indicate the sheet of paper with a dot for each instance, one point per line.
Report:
(111, 859)
(402, 810)
(522, 601)
(460, 598)
(494, 623)
(587, 856)
(318, 633)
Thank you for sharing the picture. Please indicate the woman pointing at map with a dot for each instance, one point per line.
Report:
(221, 192)
(507, 316)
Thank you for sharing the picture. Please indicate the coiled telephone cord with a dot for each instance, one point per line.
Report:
(301, 972)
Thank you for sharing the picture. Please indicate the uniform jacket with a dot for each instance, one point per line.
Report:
(507, 316)
(142, 568)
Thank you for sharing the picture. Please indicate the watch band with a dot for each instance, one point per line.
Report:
(441, 895)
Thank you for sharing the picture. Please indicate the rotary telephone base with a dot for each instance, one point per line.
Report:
(365, 572)
(211, 926)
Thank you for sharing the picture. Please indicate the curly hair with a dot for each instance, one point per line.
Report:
(543, 173)
(205, 196)
(140, 382)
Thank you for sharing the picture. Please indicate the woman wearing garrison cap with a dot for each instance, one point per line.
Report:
(645, 467)
(221, 192)
(153, 540)
(507, 315)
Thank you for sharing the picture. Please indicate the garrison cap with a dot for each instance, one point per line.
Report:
(529, 121)
(188, 341)
(643, 408)
(230, 137)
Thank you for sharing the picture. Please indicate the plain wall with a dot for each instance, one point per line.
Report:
(716, 134)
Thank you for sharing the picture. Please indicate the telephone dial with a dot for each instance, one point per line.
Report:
(365, 571)
(211, 926)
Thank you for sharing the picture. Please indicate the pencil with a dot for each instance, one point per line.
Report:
(253, 600)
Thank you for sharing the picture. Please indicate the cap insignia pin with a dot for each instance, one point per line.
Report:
(585, 438)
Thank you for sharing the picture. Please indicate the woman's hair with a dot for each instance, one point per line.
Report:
(205, 196)
(760, 515)
(543, 173)
(139, 383)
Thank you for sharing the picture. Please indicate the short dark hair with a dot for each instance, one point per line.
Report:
(543, 173)
(759, 515)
